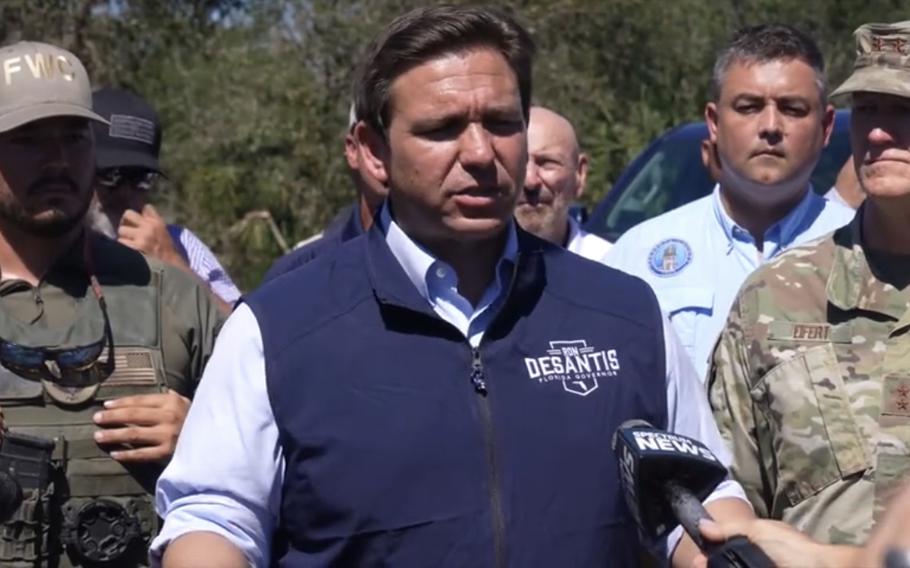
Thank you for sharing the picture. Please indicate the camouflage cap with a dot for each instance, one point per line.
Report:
(38, 80)
(882, 60)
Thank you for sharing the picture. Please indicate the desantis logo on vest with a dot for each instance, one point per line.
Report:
(575, 365)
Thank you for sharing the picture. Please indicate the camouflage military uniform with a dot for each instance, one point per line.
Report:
(163, 325)
(810, 386)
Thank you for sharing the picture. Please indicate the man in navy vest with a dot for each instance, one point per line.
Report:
(441, 391)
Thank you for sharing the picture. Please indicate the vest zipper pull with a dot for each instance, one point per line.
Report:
(480, 385)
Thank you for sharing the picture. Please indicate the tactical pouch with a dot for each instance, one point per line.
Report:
(101, 532)
(27, 459)
(24, 538)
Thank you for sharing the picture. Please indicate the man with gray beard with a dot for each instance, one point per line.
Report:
(555, 177)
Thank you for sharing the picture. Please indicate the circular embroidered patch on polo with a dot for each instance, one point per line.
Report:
(669, 257)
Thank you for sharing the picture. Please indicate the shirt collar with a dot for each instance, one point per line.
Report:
(851, 283)
(417, 261)
(353, 227)
(574, 233)
(69, 266)
(789, 226)
(74, 258)
(793, 222)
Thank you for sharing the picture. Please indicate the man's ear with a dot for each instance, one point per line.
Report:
(711, 121)
(351, 151)
(581, 175)
(374, 151)
(828, 122)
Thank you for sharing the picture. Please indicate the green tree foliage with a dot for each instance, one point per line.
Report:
(254, 94)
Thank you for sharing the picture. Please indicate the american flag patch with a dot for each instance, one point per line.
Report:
(132, 128)
(132, 367)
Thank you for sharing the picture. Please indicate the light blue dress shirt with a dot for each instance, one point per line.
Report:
(226, 474)
(438, 283)
(696, 258)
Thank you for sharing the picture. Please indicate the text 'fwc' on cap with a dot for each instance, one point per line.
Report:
(39, 80)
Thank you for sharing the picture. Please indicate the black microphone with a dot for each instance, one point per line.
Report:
(665, 477)
(10, 496)
(896, 558)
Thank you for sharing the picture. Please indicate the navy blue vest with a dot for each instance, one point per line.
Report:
(344, 227)
(406, 447)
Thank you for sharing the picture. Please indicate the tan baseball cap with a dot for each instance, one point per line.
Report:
(38, 80)
(882, 60)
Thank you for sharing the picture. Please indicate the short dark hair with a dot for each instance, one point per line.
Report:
(765, 43)
(426, 33)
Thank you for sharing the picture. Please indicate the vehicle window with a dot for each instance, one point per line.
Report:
(672, 177)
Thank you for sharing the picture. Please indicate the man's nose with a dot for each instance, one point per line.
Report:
(882, 135)
(771, 126)
(532, 177)
(476, 147)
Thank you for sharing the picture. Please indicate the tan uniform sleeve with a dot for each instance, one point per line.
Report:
(734, 411)
(190, 322)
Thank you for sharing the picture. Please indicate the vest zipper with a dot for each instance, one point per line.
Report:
(478, 379)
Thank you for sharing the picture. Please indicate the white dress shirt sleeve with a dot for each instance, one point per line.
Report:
(689, 414)
(205, 264)
(227, 471)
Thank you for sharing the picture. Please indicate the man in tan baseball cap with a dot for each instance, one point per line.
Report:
(41, 81)
(45, 106)
(100, 346)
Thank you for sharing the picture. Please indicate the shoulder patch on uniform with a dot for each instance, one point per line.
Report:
(669, 257)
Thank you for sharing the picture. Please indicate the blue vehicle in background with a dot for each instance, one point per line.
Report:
(669, 173)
